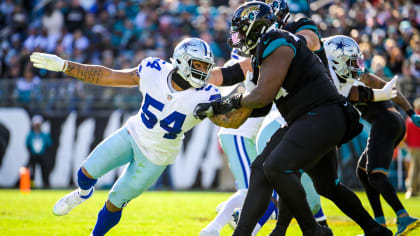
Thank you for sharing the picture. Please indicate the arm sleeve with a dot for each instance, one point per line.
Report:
(232, 74)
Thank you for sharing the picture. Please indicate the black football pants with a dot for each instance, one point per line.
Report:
(309, 143)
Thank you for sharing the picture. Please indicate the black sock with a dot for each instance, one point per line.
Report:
(292, 194)
(283, 219)
(372, 194)
(380, 182)
(348, 202)
(256, 202)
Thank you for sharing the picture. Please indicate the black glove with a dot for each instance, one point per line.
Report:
(203, 110)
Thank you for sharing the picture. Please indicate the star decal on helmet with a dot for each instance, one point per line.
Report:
(341, 45)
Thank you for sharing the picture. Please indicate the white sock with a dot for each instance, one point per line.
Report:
(322, 218)
(225, 214)
(256, 229)
(83, 192)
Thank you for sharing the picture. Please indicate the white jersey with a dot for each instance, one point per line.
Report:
(159, 126)
(274, 115)
(249, 129)
(343, 88)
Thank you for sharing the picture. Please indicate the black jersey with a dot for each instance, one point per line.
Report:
(307, 83)
(308, 24)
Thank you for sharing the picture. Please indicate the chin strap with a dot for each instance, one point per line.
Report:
(181, 82)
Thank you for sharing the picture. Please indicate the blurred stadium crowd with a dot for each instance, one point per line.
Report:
(119, 34)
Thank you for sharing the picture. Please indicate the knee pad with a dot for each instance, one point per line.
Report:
(377, 179)
(271, 171)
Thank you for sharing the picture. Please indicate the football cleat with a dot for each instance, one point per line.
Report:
(235, 218)
(68, 202)
(318, 231)
(378, 231)
(406, 224)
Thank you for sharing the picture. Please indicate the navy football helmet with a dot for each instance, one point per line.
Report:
(249, 22)
(280, 9)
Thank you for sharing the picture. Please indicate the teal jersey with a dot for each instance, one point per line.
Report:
(37, 143)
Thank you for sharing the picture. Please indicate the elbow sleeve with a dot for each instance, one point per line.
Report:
(232, 75)
(365, 94)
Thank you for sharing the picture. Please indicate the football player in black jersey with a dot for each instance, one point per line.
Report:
(318, 118)
(388, 128)
(307, 28)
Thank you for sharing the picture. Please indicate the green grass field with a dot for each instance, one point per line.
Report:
(153, 213)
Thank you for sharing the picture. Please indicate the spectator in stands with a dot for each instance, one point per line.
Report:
(28, 88)
(37, 143)
(53, 19)
(409, 85)
(378, 67)
(75, 16)
(413, 143)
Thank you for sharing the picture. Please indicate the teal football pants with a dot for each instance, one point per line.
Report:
(117, 150)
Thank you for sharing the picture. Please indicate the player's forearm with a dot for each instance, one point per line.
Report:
(91, 74)
(256, 99)
(233, 119)
(402, 102)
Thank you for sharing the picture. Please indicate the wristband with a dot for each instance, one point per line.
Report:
(410, 112)
(66, 63)
(365, 94)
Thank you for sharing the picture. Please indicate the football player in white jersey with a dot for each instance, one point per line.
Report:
(151, 139)
(370, 94)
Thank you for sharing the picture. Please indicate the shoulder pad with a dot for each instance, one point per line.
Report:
(303, 24)
(274, 39)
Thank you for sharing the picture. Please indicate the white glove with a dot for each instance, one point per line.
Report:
(389, 91)
(48, 61)
(249, 85)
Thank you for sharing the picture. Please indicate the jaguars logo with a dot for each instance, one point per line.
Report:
(250, 12)
(272, 3)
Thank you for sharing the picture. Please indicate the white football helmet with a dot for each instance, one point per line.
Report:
(185, 52)
(344, 56)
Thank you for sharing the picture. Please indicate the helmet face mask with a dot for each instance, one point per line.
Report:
(186, 53)
(344, 56)
(199, 74)
(249, 22)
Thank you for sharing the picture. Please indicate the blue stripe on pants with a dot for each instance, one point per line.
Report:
(240, 160)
